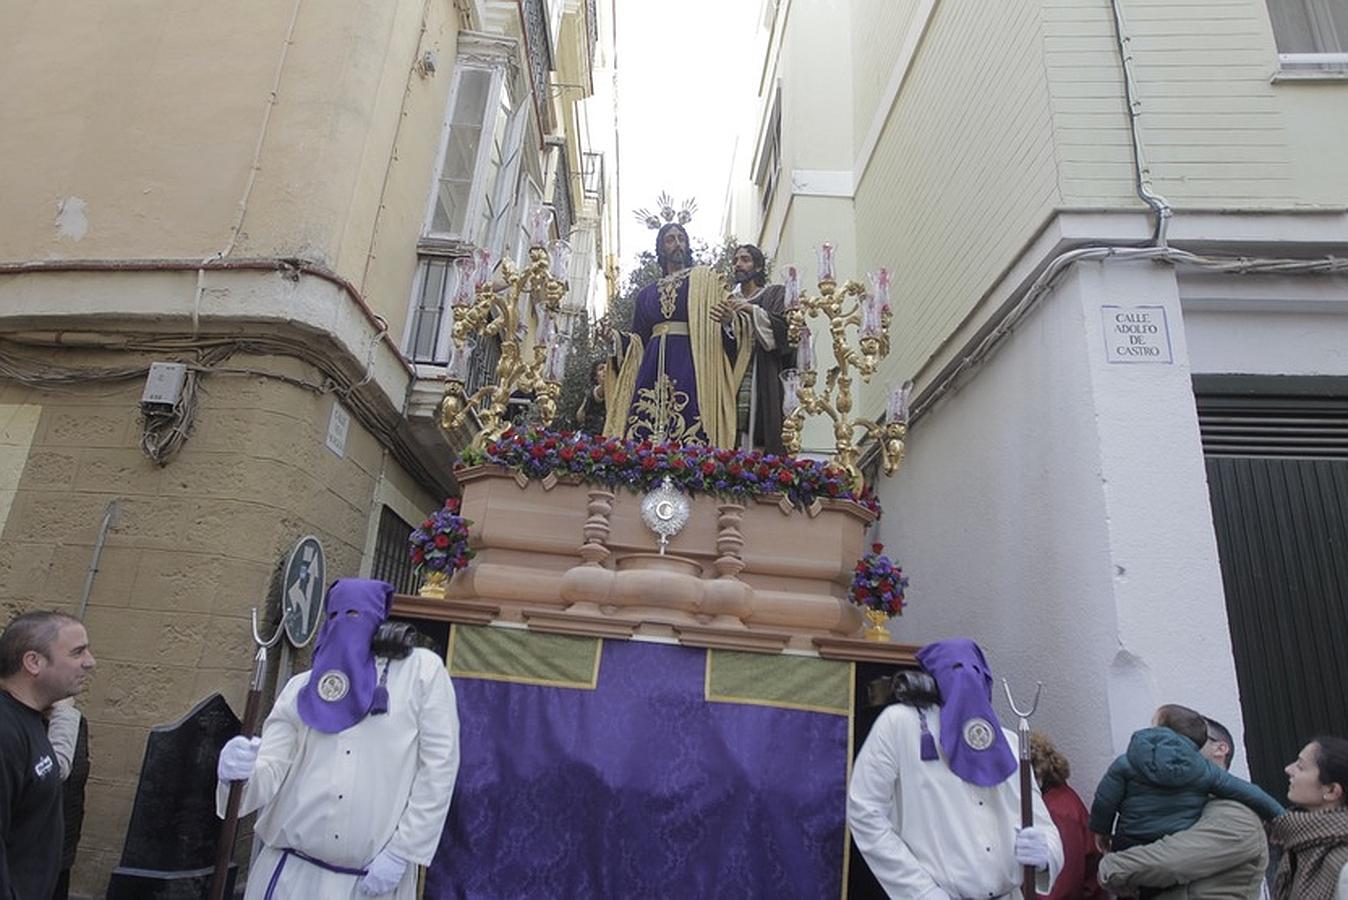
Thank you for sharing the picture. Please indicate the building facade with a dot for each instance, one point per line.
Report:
(1117, 233)
(271, 195)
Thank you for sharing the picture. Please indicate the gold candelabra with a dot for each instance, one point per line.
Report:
(513, 305)
(849, 305)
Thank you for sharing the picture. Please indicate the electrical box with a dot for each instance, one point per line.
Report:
(164, 385)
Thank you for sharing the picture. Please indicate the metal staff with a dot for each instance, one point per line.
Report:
(1026, 773)
(224, 848)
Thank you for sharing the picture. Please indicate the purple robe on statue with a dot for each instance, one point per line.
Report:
(666, 384)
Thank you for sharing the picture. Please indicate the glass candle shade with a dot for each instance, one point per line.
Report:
(826, 262)
(791, 298)
(540, 224)
(790, 391)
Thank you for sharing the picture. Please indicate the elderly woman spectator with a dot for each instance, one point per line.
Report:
(1080, 857)
(1314, 835)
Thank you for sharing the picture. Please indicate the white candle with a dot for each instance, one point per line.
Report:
(559, 258)
(880, 285)
(805, 352)
(464, 268)
(540, 223)
(461, 356)
(483, 259)
(897, 408)
(546, 329)
(870, 315)
(555, 368)
(790, 391)
(826, 262)
(791, 300)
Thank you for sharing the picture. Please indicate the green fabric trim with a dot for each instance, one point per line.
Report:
(794, 682)
(527, 657)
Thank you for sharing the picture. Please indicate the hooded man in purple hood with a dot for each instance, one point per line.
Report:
(356, 763)
(934, 801)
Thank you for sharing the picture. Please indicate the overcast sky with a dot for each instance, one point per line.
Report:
(686, 81)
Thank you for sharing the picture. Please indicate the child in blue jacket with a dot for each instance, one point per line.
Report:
(1161, 784)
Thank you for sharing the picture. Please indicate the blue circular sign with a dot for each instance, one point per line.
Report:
(302, 591)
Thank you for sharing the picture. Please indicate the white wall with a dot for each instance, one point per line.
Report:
(1055, 510)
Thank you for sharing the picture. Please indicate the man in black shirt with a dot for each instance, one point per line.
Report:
(44, 657)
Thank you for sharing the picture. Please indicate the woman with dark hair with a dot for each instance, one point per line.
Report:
(1080, 857)
(1314, 836)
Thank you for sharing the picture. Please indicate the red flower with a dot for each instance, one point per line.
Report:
(596, 454)
(785, 476)
(567, 453)
(877, 548)
(537, 452)
(679, 463)
(735, 469)
(442, 541)
(428, 524)
(648, 463)
(417, 555)
(619, 457)
(708, 467)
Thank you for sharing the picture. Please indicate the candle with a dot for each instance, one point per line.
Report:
(559, 258)
(461, 356)
(464, 267)
(870, 315)
(555, 367)
(880, 284)
(897, 408)
(483, 272)
(805, 352)
(825, 262)
(790, 391)
(540, 223)
(791, 300)
(546, 330)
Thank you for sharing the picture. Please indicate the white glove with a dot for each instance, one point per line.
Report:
(383, 873)
(1032, 848)
(237, 758)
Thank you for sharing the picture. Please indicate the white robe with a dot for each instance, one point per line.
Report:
(921, 827)
(342, 798)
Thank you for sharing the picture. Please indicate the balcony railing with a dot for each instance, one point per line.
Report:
(561, 197)
(540, 57)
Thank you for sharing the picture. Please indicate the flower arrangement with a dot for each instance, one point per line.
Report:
(440, 545)
(878, 583)
(693, 468)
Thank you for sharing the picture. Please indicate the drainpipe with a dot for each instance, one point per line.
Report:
(1142, 174)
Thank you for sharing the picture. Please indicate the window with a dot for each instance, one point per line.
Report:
(436, 283)
(1310, 33)
(474, 198)
(769, 169)
(392, 562)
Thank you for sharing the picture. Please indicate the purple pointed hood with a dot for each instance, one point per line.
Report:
(342, 682)
(971, 734)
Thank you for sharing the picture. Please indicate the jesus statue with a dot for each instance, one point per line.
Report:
(676, 375)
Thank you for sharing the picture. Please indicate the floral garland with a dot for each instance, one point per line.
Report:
(441, 543)
(642, 465)
(878, 583)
